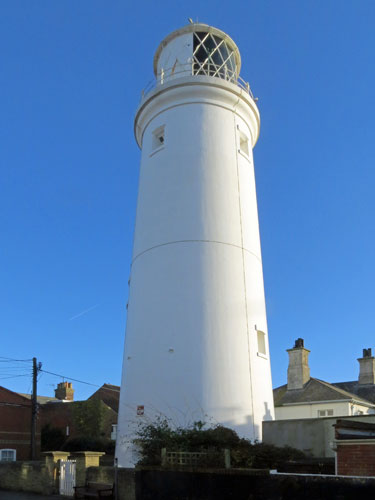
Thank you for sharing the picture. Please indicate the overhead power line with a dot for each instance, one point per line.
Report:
(7, 360)
(79, 381)
(70, 378)
(5, 373)
(15, 376)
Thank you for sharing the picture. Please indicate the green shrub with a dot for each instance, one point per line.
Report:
(152, 437)
(88, 417)
(52, 438)
(86, 443)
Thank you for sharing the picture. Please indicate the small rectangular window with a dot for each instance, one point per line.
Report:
(244, 144)
(261, 337)
(7, 455)
(325, 413)
(158, 138)
(114, 432)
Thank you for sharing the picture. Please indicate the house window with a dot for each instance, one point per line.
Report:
(325, 413)
(7, 455)
(158, 138)
(261, 337)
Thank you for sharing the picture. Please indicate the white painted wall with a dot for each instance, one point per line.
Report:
(313, 436)
(175, 58)
(310, 410)
(196, 289)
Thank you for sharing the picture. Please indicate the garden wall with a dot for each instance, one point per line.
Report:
(154, 483)
(126, 479)
(224, 484)
(34, 477)
(310, 435)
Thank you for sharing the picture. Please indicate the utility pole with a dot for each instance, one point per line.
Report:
(34, 409)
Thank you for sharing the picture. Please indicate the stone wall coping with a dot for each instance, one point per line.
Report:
(201, 470)
(56, 453)
(87, 453)
(348, 442)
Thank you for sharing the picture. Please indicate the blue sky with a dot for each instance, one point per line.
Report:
(70, 81)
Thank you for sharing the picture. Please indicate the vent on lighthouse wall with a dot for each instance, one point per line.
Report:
(158, 138)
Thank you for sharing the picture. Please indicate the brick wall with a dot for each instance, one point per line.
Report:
(356, 458)
(58, 415)
(15, 424)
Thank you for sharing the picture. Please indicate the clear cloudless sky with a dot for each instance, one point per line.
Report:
(71, 74)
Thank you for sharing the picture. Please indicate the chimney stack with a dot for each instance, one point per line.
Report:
(298, 369)
(64, 391)
(366, 368)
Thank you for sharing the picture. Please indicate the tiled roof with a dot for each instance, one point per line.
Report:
(363, 391)
(314, 390)
(109, 394)
(40, 399)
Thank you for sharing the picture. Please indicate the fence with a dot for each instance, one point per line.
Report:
(190, 69)
(195, 459)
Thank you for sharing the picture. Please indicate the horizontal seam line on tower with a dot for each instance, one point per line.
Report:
(188, 104)
(194, 241)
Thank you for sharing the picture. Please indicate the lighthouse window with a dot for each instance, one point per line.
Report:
(158, 138)
(213, 57)
(261, 337)
(244, 144)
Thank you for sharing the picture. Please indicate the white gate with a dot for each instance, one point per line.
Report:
(67, 477)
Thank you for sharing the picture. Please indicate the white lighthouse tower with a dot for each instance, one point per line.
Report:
(196, 345)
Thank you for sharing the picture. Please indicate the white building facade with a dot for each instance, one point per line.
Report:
(320, 409)
(307, 397)
(196, 345)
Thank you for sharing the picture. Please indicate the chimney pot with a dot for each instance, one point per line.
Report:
(298, 343)
(64, 391)
(298, 369)
(366, 368)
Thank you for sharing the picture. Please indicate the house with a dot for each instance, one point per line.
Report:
(110, 395)
(95, 417)
(307, 397)
(59, 418)
(307, 408)
(15, 426)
